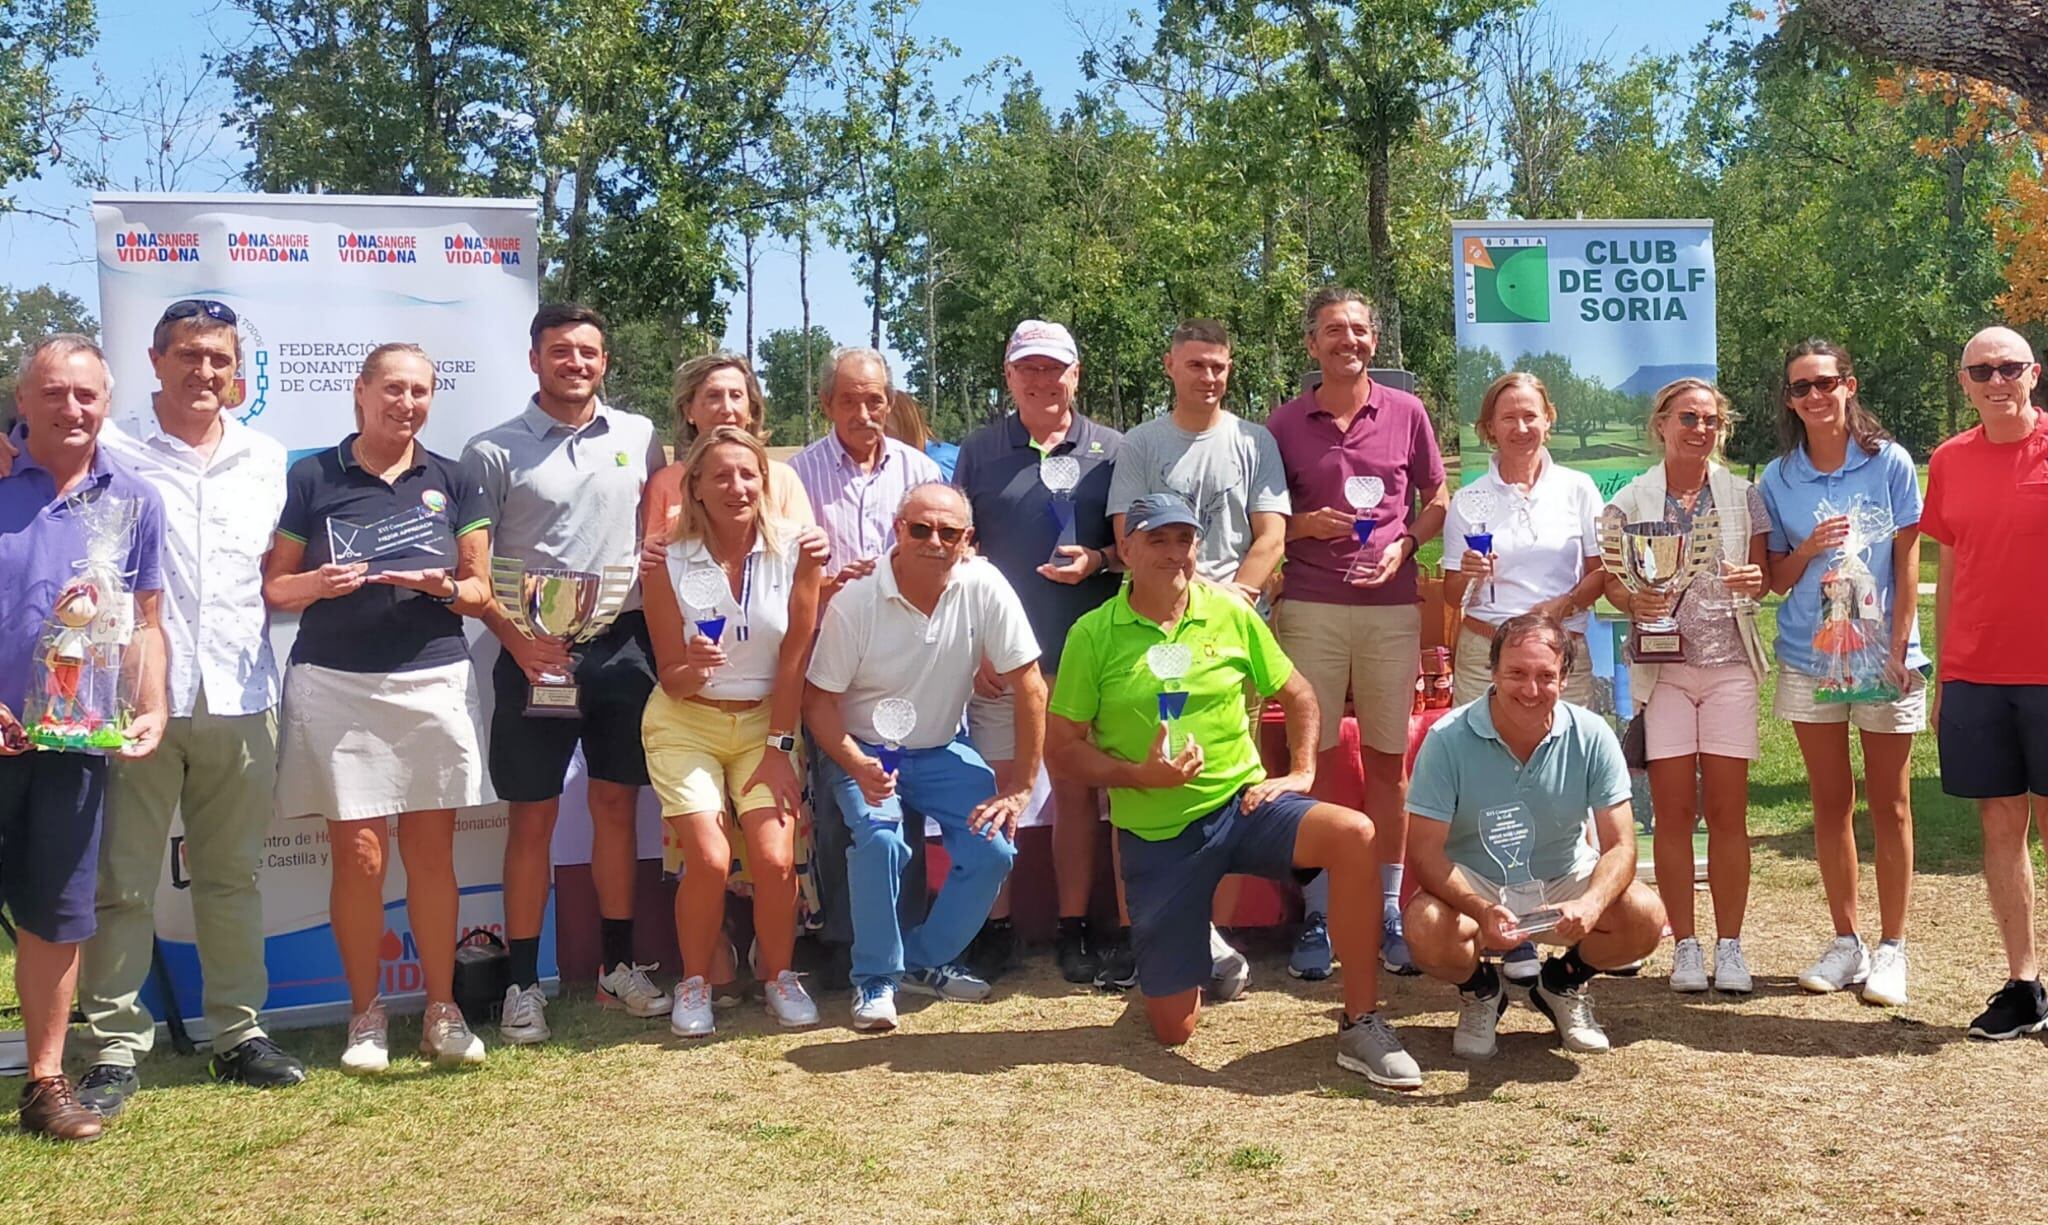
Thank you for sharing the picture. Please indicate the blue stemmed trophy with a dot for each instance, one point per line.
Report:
(1364, 494)
(895, 719)
(1170, 661)
(704, 589)
(1060, 474)
(1477, 505)
(1505, 832)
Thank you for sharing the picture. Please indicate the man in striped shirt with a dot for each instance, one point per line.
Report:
(856, 477)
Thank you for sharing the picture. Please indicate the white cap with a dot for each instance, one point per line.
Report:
(1037, 338)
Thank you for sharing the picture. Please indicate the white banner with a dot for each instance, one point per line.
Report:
(317, 282)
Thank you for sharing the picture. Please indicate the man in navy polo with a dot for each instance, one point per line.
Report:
(50, 800)
(1002, 468)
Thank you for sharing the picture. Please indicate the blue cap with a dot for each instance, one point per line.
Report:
(1157, 510)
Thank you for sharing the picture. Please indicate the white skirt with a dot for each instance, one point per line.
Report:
(361, 745)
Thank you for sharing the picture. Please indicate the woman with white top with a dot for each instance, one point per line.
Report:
(722, 723)
(1545, 525)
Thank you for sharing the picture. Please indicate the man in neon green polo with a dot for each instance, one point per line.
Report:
(1189, 811)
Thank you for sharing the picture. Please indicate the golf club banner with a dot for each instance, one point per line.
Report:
(316, 282)
(1604, 312)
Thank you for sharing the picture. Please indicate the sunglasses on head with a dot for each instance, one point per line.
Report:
(925, 531)
(1692, 420)
(2009, 371)
(192, 308)
(1824, 384)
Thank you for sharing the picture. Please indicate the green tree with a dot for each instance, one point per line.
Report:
(35, 35)
(26, 316)
(789, 360)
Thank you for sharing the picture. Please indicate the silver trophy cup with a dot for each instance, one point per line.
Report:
(568, 605)
(1658, 558)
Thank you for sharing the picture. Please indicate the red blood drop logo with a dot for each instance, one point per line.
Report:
(390, 948)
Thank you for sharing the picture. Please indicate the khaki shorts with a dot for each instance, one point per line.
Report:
(1372, 651)
(1557, 889)
(1905, 715)
(1471, 673)
(697, 755)
(992, 726)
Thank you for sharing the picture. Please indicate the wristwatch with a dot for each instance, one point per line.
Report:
(785, 742)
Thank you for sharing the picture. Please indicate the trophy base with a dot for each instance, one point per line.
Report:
(1656, 643)
(553, 702)
(1535, 923)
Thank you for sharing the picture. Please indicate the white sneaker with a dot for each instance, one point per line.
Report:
(691, 1017)
(368, 1050)
(1572, 1013)
(874, 1004)
(627, 986)
(1731, 972)
(1887, 982)
(524, 1019)
(446, 1039)
(1230, 972)
(1478, 1021)
(1688, 966)
(788, 1002)
(1843, 964)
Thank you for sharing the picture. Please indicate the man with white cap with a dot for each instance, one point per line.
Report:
(1044, 473)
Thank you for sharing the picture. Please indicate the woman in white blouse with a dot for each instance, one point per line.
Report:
(722, 723)
(1544, 521)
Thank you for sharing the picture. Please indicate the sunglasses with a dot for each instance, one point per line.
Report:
(2009, 371)
(1824, 384)
(192, 308)
(925, 531)
(1693, 421)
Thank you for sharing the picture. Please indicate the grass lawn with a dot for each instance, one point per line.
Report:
(1052, 1104)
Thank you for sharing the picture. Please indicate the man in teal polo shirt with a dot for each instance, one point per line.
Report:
(1188, 796)
(1502, 787)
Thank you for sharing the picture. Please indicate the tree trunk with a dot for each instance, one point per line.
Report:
(430, 158)
(579, 223)
(1378, 201)
(803, 294)
(747, 270)
(1956, 162)
(2004, 42)
(931, 329)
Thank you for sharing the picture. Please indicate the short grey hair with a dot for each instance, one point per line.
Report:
(56, 346)
(845, 354)
(1335, 295)
(966, 507)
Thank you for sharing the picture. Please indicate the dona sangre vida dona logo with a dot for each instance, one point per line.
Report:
(1506, 278)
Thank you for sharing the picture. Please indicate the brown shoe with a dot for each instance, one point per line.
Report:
(49, 1107)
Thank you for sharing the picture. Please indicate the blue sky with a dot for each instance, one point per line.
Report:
(139, 41)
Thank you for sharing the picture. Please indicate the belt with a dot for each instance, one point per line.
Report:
(728, 705)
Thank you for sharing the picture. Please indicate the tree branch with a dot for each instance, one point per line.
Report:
(2004, 42)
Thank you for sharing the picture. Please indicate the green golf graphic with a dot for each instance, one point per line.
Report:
(1512, 285)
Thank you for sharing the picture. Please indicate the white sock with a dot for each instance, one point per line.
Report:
(1219, 948)
(1390, 886)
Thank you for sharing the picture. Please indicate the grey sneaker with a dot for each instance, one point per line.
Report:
(1843, 964)
(1478, 1021)
(1572, 1013)
(1368, 1046)
(947, 982)
(1229, 971)
(524, 1019)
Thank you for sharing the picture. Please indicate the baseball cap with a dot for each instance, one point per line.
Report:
(1037, 338)
(1157, 510)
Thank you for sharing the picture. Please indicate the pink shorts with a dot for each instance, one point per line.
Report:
(1702, 710)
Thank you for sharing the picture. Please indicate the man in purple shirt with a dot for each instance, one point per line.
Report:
(50, 799)
(856, 477)
(1350, 615)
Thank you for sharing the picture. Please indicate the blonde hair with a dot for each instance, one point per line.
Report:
(694, 523)
(905, 422)
(1660, 408)
(376, 357)
(1500, 387)
(690, 378)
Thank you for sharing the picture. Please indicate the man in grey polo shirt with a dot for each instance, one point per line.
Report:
(1500, 793)
(1006, 470)
(562, 484)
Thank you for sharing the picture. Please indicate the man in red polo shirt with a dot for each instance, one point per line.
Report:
(1350, 615)
(1987, 506)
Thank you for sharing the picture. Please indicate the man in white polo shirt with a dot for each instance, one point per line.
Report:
(916, 630)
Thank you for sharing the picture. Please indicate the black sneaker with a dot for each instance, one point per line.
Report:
(1078, 958)
(2018, 1008)
(106, 1087)
(992, 950)
(1119, 970)
(258, 1063)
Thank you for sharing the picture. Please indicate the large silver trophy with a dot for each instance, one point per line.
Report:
(1661, 559)
(569, 605)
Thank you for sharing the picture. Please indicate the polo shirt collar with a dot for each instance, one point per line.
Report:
(347, 455)
(1799, 465)
(885, 570)
(1480, 719)
(97, 473)
(1198, 609)
(1545, 469)
(699, 549)
(537, 420)
(1375, 399)
(149, 429)
(1079, 430)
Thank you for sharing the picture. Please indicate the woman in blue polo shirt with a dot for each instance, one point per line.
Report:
(1835, 452)
(381, 552)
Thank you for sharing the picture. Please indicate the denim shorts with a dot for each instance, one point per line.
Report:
(1171, 884)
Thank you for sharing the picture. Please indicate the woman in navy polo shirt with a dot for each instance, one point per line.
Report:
(381, 551)
(1834, 452)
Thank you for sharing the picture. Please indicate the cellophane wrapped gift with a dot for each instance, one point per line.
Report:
(79, 695)
(1850, 638)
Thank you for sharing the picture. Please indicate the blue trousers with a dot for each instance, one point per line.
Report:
(946, 784)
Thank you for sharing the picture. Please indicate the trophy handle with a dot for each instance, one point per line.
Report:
(1704, 547)
(1610, 550)
(508, 591)
(613, 588)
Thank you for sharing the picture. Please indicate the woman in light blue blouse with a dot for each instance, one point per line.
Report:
(1835, 454)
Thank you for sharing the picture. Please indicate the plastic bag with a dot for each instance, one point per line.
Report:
(1849, 638)
(79, 696)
